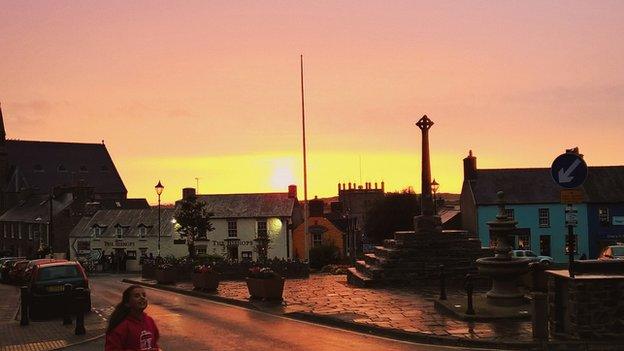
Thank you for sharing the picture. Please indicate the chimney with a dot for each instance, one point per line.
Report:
(187, 193)
(292, 191)
(470, 167)
(316, 207)
(382, 186)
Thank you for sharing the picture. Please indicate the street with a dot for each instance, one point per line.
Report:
(188, 323)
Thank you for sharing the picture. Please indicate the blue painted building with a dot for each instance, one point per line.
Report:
(533, 200)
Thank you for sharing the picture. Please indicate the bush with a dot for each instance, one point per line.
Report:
(323, 255)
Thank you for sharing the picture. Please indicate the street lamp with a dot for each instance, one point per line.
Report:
(159, 189)
(434, 188)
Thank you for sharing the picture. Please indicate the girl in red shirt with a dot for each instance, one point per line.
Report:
(129, 328)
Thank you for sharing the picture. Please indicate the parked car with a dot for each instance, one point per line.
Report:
(6, 267)
(47, 287)
(16, 273)
(532, 256)
(612, 252)
(32, 263)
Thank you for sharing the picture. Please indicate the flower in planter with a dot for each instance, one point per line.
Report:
(262, 273)
(204, 268)
(165, 266)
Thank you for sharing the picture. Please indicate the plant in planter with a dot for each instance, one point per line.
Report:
(264, 283)
(166, 273)
(205, 278)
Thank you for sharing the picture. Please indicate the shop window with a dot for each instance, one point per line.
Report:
(524, 242)
(142, 232)
(246, 256)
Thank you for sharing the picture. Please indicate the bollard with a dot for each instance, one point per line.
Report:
(67, 298)
(539, 316)
(469, 289)
(80, 301)
(442, 283)
(24, 306)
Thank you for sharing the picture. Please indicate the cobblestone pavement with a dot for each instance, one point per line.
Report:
(402, 309)
(39, 335)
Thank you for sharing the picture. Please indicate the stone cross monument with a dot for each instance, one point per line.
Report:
(428, 221)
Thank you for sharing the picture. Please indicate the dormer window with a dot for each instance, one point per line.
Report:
(142, 232)
(61, 168)
(96, 231)
(38, 168)
(83, 169)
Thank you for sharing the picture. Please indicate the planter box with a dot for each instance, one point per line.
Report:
(268, 289)
(148, 271)
(166, 276)
(205, 281)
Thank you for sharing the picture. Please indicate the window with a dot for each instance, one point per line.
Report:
(4, 230)
(603, 216)
(12, 230)
(119, 232)
(510, 214)
(545, 245)
(524, 242)
(201, 249)
(262, 228)
(30, 232)
(233, 230)
(96, 231)
(544, 217)
(19, 231)
(142, 232)
(317, 239)
(246, 256)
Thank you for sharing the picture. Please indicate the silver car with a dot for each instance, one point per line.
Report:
(532, 256)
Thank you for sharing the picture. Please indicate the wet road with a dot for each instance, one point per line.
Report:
(188, 323)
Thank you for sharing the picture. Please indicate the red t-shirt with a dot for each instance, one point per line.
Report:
(133, 334)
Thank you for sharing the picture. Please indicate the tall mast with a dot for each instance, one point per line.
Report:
(305, 170)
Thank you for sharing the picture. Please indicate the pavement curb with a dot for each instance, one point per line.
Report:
(194, 293)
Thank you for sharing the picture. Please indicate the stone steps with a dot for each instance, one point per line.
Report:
(358, 279)
(368, 270)
(384, 252)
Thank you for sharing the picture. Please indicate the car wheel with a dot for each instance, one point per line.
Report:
(545, 262)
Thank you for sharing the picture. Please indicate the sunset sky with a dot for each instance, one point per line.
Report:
(210, 89)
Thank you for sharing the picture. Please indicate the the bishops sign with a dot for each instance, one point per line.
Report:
(569, 170)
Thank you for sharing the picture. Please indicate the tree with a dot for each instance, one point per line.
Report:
(394, 213)
(193, 222)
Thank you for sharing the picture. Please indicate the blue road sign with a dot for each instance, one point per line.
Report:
(569, 170)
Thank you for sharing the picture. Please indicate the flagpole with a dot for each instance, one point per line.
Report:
(305, 171)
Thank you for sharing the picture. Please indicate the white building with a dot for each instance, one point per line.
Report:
(239, 219)
(132, 232)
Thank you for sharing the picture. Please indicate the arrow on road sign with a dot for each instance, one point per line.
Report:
(564, 175)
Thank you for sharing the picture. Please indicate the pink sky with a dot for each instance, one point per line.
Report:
(210, 89)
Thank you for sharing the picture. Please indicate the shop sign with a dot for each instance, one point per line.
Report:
(241, 243)
(118, 243)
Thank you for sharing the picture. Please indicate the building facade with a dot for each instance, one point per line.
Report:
(321, 232)
(534, 201)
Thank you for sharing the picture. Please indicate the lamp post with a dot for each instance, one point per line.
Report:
(434, 188)
(159, 189)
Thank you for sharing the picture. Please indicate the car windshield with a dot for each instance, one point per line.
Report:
(530, 254)
(618, 250)
(58, 272)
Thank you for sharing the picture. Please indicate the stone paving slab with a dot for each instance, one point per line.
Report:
(40, 335)
(399, 309)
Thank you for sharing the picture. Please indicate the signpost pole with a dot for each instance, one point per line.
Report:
(571, 249)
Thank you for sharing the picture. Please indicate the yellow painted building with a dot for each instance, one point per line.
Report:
(320, 232)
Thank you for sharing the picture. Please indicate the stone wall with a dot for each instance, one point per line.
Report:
(586, 307)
